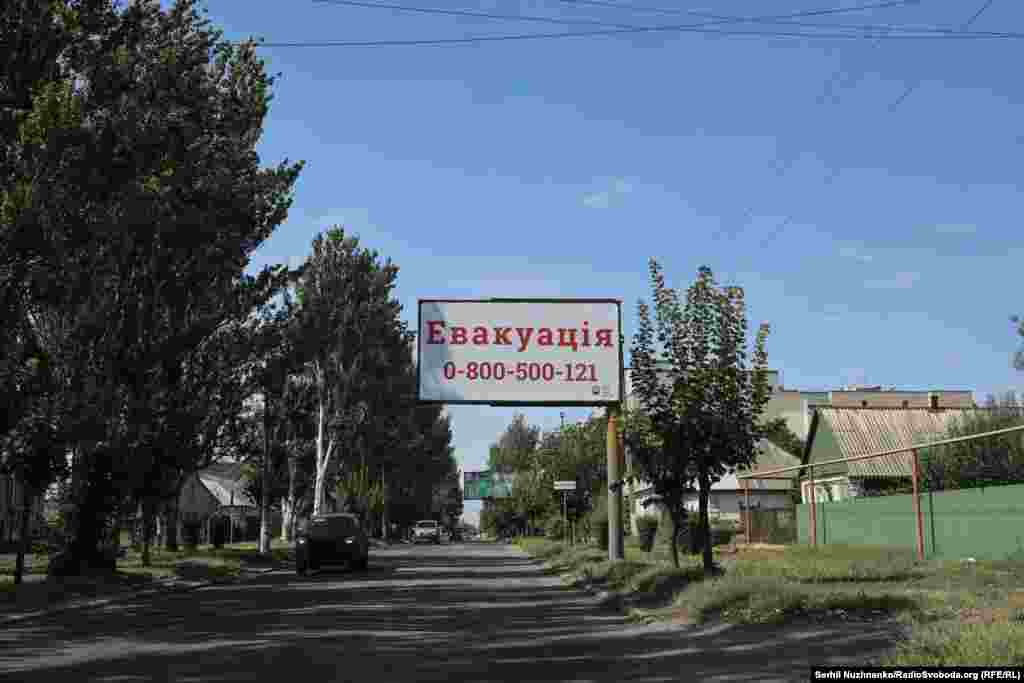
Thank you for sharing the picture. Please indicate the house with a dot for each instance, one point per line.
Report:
(728, 496)
(798, 409)
(846, 432)
(215, 496)
(12, 501)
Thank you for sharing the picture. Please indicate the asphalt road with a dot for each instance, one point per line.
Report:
(462, 612)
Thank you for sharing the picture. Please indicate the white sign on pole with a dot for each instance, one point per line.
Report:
(565, 486)
(520, 352)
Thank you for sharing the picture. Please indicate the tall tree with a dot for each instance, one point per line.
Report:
(348, 320)
(137, 171)
(701, 405)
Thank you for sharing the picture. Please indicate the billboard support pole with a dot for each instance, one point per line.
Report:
(615, 538)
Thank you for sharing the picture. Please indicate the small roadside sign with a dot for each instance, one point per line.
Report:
(565, 486)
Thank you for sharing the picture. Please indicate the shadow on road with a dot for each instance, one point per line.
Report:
(455, 613)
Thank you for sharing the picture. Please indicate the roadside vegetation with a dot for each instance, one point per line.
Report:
(204, 563)
(956, 613)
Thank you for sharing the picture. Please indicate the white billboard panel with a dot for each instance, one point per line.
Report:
(532, 352)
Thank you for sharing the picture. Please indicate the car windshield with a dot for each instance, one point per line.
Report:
(426, 525)
(322, 527)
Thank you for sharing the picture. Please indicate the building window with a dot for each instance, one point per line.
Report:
(863, 404)
(906, 403)
(933, 401)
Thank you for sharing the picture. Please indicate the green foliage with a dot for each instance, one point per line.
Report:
(779, 433)
(516, 449)
(700, 404)
(555, 528)
(991, 461)
(359, 492)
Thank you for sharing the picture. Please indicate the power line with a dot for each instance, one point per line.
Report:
(478, 15)
(612, 32)
(911, 89)
(699, 28)
(777, 22)
(718, 20)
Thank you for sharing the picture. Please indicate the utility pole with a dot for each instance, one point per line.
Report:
(615, 536)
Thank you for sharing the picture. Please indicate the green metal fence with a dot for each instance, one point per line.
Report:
(983, 523)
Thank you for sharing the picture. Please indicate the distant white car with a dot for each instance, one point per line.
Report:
(426, 530)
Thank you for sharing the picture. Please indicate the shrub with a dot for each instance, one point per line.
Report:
(600, 528)
(554, 528)
(647, 529)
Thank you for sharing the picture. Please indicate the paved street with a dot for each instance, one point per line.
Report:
(463, 612)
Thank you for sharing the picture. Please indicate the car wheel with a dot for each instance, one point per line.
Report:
(362, 563)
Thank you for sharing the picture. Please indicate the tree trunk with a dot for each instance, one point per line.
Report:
(677, 524)
(290, 505)
(264, 544)
(24, 543)
(148, 521)
(91, 508)
(171, 525)
(322, 454)
(705, 530)
(384, 522)
(115, 534)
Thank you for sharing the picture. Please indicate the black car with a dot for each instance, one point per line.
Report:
(331, 539)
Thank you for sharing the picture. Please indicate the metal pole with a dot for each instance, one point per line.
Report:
(917, 507)
(814, 515)
(746, 505)
(565, 520)
(615, 549)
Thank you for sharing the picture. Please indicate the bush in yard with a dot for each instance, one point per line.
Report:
(554, 528)
(647, 529)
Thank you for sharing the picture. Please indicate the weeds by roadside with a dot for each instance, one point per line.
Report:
(201, 564)
(958, 613)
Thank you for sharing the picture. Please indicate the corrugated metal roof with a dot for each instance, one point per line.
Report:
(769, 456)
(224, 478)
(860, 431)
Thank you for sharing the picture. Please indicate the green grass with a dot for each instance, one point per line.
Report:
(832, 564)
(959, 613)
(954, 644)
(201, 564)
(744, 599)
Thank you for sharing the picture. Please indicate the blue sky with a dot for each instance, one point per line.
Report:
(878, 240)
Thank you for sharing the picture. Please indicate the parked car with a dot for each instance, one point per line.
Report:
(426, 530)
(331, 539)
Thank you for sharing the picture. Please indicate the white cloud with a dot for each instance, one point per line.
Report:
(603, 199)
(856, 254)
(904, 280)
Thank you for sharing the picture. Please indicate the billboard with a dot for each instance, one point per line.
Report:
(564, 352)
(486, 484)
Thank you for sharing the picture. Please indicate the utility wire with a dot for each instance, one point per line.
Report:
(680, 28)
(911, 89)
(478, 15)
(777, 22)
(718, 20)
